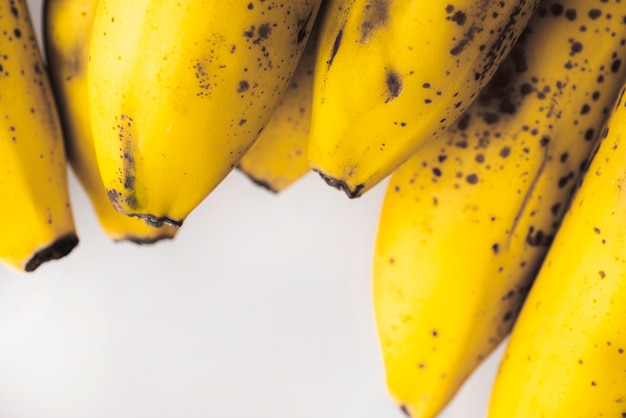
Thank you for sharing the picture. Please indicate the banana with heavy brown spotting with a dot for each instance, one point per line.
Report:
(467, 221)
(392, 74)
(567, 352)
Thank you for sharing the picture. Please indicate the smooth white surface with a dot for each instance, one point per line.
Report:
(259, 308)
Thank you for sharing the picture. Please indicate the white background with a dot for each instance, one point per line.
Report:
(260, 307)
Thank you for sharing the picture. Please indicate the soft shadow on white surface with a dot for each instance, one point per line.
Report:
(259, 307)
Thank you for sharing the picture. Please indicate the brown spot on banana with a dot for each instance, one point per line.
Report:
(375, 15)
(336, 45)
(394, 84)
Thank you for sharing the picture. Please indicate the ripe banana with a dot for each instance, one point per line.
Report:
(67, 31)
(467, 221)
(278, 157)
(38, 223)
(178, 91)
(566, 354)
(419, 65)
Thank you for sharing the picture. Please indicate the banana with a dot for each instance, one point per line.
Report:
(467, 221)
(38, 219)
(566, 354)
(278, 157)
(178, 91)
(420, 64)
(67, 31)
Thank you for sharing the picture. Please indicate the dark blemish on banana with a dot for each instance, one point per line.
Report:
(565, 179)
(595, 13)
(250, 6)
(472, 178)
(249, 33)
(405, 411)
(335, 48)
(495, 248)
(575, 48)
(264, 30)
(467, 38)
(302, 32)
(615, 65)
(243, 86)
(585, 109)
(394, 84)
(602, 274)
(375, 16)
(459, 18)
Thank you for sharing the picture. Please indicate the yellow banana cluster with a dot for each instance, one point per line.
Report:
(500, 124)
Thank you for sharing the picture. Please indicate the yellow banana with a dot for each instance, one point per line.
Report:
(566, 356)
(467, 221)
(67, 31)
(38, 223)
(178, 91)
(278, 157)
(392, 74)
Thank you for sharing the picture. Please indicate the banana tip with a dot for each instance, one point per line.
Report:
(259, 182)
(58, 249)
(342, 185)
(158, 221)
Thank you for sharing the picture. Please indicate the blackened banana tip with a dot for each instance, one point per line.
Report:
(341, 185)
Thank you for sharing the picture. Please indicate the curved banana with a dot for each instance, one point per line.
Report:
(67, 31)
(278, 157)
(38, 223)
(566, 356)
(392, 74)
(178, 91)
(467, 221)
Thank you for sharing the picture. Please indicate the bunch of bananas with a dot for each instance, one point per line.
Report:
(498, 123)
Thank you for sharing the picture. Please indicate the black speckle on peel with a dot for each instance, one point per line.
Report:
(341, 185)
(468, 36)
(459, 18)
(125, 128)
(58, 249)
(405, 411)
(333, 51)
(249, 33)
(394, 84)
(243, 86)
(264, 30)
